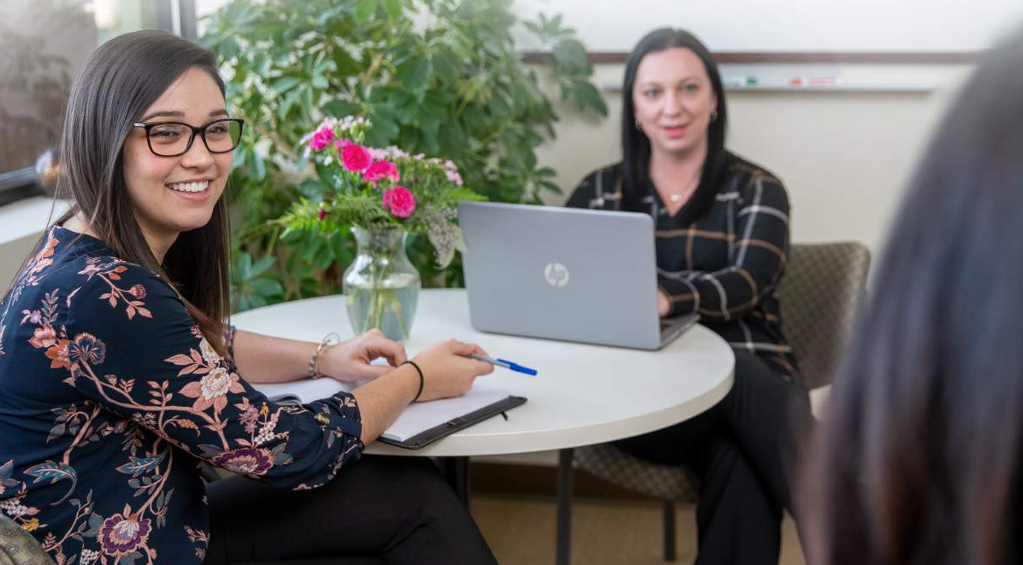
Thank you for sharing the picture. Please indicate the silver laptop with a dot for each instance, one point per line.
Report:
(564, 273)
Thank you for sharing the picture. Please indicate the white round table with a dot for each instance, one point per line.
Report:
(583, 394)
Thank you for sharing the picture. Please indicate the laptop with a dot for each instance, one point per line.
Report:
(563, 273)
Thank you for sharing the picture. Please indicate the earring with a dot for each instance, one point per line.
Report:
(713, 115)
(639, 126)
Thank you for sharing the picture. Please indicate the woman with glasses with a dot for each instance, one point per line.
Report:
(119, 377)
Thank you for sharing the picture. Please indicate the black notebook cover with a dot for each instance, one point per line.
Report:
(426, 437)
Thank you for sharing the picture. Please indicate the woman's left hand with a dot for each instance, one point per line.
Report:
(350, 360)
(663, 303)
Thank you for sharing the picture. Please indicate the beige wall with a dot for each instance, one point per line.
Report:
(786, 25)
(843, 155)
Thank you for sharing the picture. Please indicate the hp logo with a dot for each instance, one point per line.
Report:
(556, 275)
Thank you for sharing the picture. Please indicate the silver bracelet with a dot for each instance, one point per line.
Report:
(314, 361)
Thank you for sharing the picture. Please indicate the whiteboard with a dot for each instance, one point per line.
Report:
(896, 26)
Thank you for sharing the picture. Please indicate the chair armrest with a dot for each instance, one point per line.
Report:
(18, 547)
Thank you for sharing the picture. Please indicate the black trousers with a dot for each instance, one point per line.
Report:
(744, 451)
(393, 510)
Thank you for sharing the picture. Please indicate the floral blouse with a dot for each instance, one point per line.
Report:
(109, 399)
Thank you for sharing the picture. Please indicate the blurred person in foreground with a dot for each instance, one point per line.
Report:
(918, 460)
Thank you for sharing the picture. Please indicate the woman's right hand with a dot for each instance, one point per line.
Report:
(447, 369)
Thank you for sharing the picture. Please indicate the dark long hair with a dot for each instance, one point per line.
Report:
(118, 82)
(919, 460)
(636, 145)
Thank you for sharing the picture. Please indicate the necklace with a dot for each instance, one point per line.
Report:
(685, 191)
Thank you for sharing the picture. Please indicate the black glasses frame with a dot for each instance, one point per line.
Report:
(200, 130)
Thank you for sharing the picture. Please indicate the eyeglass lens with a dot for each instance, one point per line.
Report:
(172, 139)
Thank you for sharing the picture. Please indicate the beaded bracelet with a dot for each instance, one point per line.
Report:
(314, 361)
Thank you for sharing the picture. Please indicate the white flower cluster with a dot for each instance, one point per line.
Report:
(450, 168)
(390, 153)
(13, 508)
(88, 557)
(266, 432)
(348, 122)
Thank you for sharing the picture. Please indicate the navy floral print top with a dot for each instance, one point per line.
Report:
(110, 397)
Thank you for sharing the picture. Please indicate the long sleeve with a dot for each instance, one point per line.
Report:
(599, 190)
(757, 253)
(130, 345)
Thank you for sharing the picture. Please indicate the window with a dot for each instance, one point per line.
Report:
(44, 44)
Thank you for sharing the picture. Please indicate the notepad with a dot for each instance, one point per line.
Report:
(418, 425)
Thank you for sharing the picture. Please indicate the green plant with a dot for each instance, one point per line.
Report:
(439, 77)
(251, 285)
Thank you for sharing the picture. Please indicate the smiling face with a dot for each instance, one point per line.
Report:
(171, 195)
(673, 98)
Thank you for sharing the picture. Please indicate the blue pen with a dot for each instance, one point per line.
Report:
(504, 363)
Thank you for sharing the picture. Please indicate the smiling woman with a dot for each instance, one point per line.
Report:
(722, 237)
(177, 195)
(138, 211)
(674, 104)
(120, 374)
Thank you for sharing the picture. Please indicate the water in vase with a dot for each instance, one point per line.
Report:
(391, 308)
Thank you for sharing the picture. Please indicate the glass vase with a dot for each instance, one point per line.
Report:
(381, 286)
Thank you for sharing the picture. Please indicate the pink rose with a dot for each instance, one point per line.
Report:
(400, 202)
(321, 138)
(355, 157)
(381, 170)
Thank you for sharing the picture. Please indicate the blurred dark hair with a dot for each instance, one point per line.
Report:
(118, 82)
(635, 144)
(918, 460)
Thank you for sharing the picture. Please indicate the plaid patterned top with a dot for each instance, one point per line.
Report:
(722, 254)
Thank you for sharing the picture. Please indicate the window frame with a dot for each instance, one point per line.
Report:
(23, 183)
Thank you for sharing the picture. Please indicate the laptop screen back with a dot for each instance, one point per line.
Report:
(561, 273)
